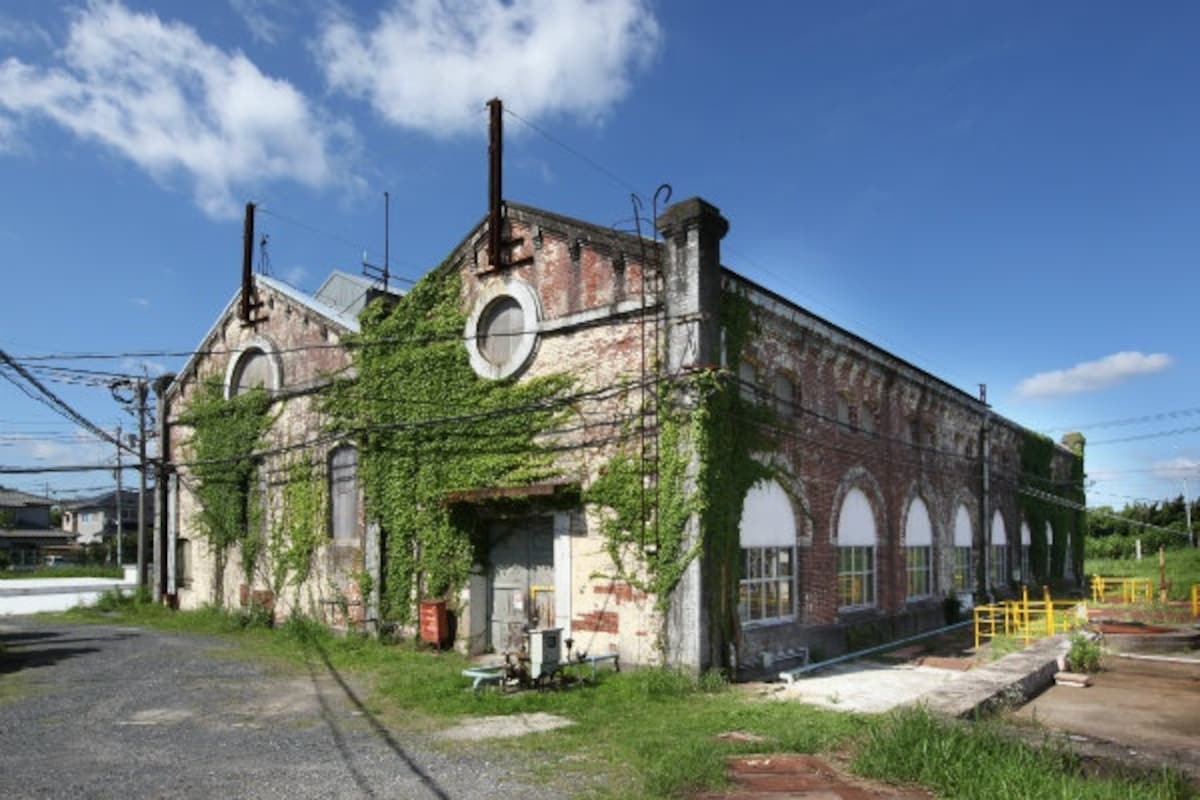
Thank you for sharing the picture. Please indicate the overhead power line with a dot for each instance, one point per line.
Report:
(1119, 423)
(54, 402)
(1143, 436)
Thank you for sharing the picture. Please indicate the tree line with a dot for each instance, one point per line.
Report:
(1113, 533)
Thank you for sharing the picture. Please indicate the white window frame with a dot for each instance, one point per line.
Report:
(766, 531)
(764, 581)
(857, 538)
(918, 540)
(861, 567)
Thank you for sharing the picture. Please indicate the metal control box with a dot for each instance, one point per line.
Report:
(545, 651)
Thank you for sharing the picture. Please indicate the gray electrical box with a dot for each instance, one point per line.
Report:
(545, 651)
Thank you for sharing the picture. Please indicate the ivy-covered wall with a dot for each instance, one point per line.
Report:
(1046, 470)
(427, 426)
(226, 434)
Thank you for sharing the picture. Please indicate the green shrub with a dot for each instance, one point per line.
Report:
(1084, 655)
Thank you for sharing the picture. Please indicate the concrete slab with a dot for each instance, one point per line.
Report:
(1137, 702)
(504, 727)
(868, 686)
(1007, 682)
(874, 687)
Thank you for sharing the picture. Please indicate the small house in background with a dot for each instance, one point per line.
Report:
(93, 520)
(26, 536)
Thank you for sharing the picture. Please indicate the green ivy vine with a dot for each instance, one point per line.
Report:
(710, 432)
(299, 528)
(427, 425)
(225, 435)
(1037, 454)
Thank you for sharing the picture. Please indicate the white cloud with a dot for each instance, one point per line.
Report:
(162, 97)
(20, 33)
(144, 302)
(1090, 376)
(84, 449)
(262, 17)
(1176, 468)
(431, 65)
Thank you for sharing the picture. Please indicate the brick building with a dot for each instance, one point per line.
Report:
(877, 489)
(291, 346)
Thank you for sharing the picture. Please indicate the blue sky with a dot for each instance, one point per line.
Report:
(1001, 193)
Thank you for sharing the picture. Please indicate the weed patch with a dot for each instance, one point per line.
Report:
(978, 762)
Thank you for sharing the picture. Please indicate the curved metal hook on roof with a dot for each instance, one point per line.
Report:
(665, 190)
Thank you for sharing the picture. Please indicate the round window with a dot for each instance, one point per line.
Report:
(501, 326)
(501, 332)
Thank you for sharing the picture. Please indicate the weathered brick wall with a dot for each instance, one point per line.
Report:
(308, 352)
(862, 418)
(588, 284)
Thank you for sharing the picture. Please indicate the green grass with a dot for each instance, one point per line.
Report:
(980, 762)
(65, 571)
(651, 733)
(1183, 569)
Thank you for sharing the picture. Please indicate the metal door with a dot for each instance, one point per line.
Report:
(521, 578)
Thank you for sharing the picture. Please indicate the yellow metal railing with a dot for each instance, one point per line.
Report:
(1028, 619)
(1123, 590)
(1196, 599)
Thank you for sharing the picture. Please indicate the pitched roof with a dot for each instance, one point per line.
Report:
(345, 321)
(11, 498)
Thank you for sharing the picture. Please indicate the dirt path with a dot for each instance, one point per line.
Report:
(107, 711)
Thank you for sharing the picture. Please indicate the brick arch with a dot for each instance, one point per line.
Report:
(859, 478)
(920, 488)
(268, 348)
(960, 498)
(802, 509)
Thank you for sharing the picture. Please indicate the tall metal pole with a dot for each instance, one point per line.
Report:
(143, 544)
(1187, 513)
(495, 169)
(985, 450)
(120, 521)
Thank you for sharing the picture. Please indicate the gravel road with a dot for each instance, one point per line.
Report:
(111, 711)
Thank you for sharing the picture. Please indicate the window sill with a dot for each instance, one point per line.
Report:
(767, 623)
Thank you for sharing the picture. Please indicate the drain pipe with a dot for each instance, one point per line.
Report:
(985, 450)
(791, 675)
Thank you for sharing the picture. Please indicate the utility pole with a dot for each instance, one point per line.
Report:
(141, 516)
(1187, 513)
(120, 519)
(985, 452)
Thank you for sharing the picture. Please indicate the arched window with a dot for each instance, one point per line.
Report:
(343, 494)
(787, 396)
(1026, 540)
(964, 540)
(254, 369)
(767, 532)
(918, 549)
(1068, 561)
(857, 535)
(1049, 550)
(999, 551)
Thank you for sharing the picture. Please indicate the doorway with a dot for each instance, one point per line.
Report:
(520, 579)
